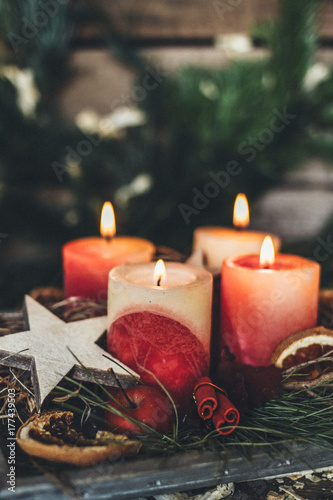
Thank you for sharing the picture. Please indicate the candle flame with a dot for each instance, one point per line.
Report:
(241, 211)
(267, 252)
(159, 271)
(108, 223)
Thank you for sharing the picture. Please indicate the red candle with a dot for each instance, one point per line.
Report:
(87, 261)
(262, 302)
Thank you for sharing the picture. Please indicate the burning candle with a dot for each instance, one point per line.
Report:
(87, 261)
(264, 299)
(160, 320)
(218, 243)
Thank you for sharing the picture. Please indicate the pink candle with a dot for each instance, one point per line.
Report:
(261, 304)
(87, 261)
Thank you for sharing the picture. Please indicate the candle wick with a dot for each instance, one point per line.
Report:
(159, 281)
(108, 238)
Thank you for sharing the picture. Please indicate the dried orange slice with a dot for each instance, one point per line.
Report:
(50, 435)
(303, 346)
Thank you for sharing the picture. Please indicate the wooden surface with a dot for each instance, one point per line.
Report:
(326, 19)
(150, 476)
(185, 18)
(166, 20)
(101, 83)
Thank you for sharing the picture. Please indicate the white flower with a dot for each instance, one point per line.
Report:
(235, 44)
(72, 217)
(73, 168)
(24, 82)
(209, 89)
(110, 125)
(125, 116)
(268, 81)
(139, 185)
(316, 74)
(87, 120)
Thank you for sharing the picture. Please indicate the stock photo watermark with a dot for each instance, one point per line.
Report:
(265, 136)
(11, 440)
(220, 180)
(224, 6)
(150, 81)
(324, 249)
(153, 77)
(249, 149)
(74, 156)
(31, 25)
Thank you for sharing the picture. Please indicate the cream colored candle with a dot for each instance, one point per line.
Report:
(218, 243)
(165, 328)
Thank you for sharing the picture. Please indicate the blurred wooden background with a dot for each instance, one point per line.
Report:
(171, 34)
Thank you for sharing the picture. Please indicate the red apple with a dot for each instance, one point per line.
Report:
(149, 406)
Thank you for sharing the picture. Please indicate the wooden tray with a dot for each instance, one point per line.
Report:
(141, 477)
(145, 476)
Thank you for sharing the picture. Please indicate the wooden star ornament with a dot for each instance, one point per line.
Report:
(47, 349)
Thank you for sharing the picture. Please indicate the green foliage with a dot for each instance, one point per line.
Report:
(38, 38)
(294, 417)
(199, 121)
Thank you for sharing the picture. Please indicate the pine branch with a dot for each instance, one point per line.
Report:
(294, 44)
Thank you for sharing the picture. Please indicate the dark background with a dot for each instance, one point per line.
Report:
(204, 82)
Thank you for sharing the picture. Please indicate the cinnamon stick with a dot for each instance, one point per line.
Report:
(204, 395)
(226, 417)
